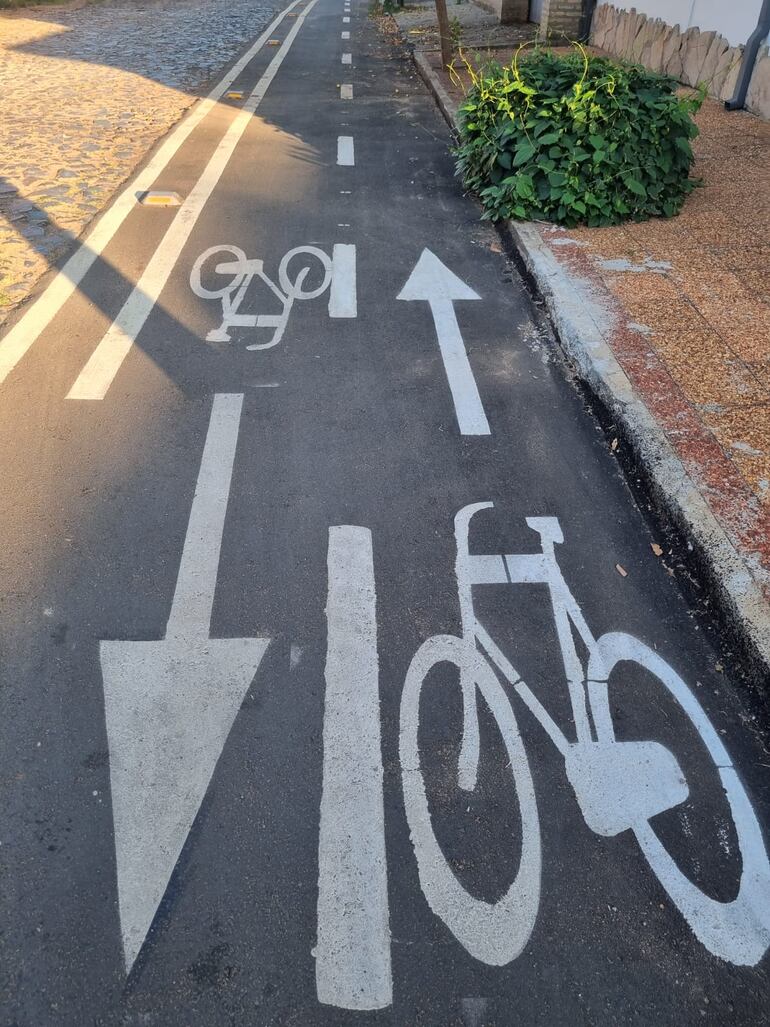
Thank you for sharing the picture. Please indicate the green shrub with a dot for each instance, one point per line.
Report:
(576, 139)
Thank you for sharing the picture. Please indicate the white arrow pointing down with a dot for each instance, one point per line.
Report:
(169, 705)
(431, 280)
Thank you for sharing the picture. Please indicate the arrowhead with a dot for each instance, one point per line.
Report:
(169, 708)
(432, 280)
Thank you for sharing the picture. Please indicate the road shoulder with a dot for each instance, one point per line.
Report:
(690, 481)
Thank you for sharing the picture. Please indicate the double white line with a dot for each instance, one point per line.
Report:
(96, 377)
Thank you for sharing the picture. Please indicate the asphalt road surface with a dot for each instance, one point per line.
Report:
(341, 682)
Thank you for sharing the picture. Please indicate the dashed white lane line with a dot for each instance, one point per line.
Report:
(346, 21)
(96, 377)
(346, 91)
(40, 314)
(347, 58)
(343, 300)
(345, 35)
(345, 153)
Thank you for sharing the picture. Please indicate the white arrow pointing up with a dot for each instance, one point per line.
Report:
(434, 282)
(170, 705)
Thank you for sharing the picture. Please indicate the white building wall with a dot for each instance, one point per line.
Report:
(733, 19)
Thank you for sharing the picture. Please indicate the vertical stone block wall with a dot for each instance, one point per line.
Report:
(692, 56)
(508, 11)
(561, 18)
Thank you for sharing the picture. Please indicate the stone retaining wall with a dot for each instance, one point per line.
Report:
(692, 56)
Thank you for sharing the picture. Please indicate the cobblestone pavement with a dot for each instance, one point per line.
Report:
(86, 92)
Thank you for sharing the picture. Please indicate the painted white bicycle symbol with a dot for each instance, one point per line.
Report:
(239, 271)
(619, 785)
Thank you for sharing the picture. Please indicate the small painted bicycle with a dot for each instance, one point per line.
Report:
(619, 785)
(239, 272)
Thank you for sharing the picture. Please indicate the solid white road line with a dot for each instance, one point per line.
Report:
(353, 969)
(345, 35)
(345, 154)
(40, 314)
(347, 58)
(346, 91)
(98, 374)
(342, 294)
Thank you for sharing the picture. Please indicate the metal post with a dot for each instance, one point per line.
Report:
(753, 44)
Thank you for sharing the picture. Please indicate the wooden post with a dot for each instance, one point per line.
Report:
(444, 35)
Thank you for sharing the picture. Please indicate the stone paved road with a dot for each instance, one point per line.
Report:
(85, 93)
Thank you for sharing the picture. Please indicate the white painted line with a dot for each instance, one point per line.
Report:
(169, 705)
(342, 294)
(105, 362)
(346, 91)
(353, 969)
(345, 153)
(471, 417)
(40, 314)
(431, 280)
(347, 58)
(194, 594)
(346, 21)
(344, 35)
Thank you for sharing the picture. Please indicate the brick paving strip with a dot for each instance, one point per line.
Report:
(87, 90)
(668, 323)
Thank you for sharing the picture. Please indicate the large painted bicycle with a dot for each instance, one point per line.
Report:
(619, 785)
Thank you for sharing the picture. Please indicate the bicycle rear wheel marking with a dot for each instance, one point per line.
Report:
(494, 933)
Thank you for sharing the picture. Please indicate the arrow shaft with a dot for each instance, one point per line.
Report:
(468, 406)
(196, 582)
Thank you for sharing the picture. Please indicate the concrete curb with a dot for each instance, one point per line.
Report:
(441, 96)
(581, 328)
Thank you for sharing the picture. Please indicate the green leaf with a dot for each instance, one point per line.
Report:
(634, 185)
(682, 144)
(524, 153)
(524, 186)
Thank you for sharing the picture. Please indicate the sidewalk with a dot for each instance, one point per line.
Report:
(86, 92)
(668, 322)
(473, 26)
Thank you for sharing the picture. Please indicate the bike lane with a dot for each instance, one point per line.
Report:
(349, 422)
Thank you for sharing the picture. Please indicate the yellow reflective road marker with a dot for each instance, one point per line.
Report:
(159, 198)
(234, 94)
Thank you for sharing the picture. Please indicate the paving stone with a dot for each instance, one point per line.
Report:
(86, 93)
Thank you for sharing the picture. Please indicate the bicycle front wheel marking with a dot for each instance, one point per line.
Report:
(738, 931)
(494, 933)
